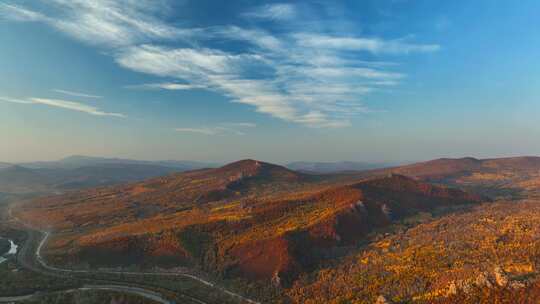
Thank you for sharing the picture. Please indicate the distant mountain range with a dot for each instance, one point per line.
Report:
(78, 172)
(333, 167)
(77, 161)
(509, 177)
(5, 165)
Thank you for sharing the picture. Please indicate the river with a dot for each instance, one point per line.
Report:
(12, 250)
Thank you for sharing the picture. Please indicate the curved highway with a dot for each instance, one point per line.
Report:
(55, 270)
(177, 274)
(156, 297)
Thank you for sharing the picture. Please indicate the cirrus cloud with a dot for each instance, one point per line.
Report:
(64, 104)
(76, 94)
(223, 128)
(308, 76)
(277, 11)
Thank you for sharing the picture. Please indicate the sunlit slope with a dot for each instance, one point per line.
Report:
(515, 177)
(460, 258)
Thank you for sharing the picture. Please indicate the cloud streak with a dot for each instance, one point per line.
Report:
(15, 100)
(240, 124)
(105, 22)
(172, 86)
(278, 11)
(76, 94)
(372, 45)
(64, 104)
(223, 128)
(74, 106)
(205, 131)
(17, 13)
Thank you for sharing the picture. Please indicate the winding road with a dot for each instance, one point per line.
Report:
(116, 288)
(42, 262)
(54, 271)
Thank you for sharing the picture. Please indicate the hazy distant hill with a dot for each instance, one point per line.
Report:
(77, 161)
(332, 167)
(18, 179)
(501, 177)
(77, 172)
(5, 165)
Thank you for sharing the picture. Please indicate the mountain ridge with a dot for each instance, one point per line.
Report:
(335, 167)
(17, 179)
(76, 161)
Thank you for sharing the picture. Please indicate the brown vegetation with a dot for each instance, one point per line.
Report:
(506, 178)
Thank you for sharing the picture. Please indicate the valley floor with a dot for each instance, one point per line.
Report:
(28, 278)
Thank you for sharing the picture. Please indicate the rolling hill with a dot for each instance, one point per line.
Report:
(78, 161)
(21, 180)
(509, 178)
(79, 172)
(249, 219)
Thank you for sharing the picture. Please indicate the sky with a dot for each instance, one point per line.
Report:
(367, 80)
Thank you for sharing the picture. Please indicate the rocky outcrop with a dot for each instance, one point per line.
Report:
(498, 278)
(382, 300)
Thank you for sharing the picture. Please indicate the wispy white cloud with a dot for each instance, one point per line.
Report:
(240, 124)
(257, 37)
(15, 100)
(113, 23)
(185, 63)
(167, 86)
(17, 13)
(74, 106)
(205, 131)
(76, 94)
(373, 45)
(223, 128)
(305, 75)
(319, 120)
(64, 104)
(278, 11)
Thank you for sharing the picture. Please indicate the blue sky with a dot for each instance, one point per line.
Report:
(278, 81)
